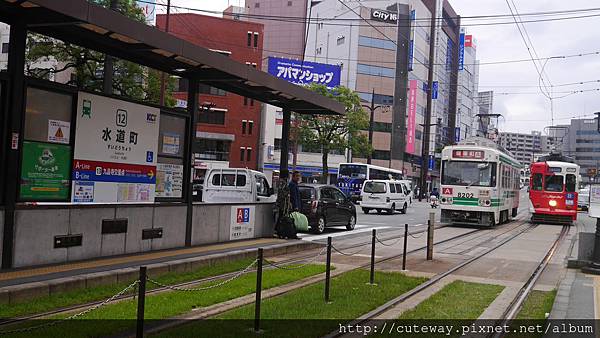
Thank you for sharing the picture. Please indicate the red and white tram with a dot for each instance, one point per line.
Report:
(553, 190)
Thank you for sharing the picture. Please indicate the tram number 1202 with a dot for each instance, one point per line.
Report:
(465, 195)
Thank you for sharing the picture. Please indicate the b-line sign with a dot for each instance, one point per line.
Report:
(115, 151)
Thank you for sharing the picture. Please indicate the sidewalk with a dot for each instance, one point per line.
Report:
(578, 293)
(28, 283)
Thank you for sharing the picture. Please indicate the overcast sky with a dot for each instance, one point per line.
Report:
(524, 112)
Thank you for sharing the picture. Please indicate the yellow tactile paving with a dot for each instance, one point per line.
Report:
(596, 297)
(129, 259)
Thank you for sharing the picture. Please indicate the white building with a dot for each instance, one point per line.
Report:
(468, 85)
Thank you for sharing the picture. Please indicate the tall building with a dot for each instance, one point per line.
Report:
(228, 129)
(468, 85)
(581, 140)
(523, 146)
(374, 51)
(485, 102)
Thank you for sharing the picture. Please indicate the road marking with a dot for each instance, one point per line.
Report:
(309, 237)
(367, 256)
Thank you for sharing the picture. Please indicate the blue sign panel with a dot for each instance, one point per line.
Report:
(434, 90)
(461, 52)
(411, 44)
(431, 162)
(457, 134)
(449, 49)
(303, 73)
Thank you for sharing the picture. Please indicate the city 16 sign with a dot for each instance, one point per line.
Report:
(115, 151)
(385, 16)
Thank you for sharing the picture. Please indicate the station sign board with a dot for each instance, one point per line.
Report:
(242, 222)
(115, 151)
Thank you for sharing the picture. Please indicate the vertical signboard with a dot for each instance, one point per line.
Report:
(411, 44)
(434, 90)
(449, 51)
(461, 50)
(242, 222)
(45, 171)
(115, 151)
(412, 116)
(457, 134)
(431, 162)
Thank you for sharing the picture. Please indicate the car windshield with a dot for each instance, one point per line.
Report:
(307, 193)
(353, 170)
(374, 187)
(554, 183)
(468, 173)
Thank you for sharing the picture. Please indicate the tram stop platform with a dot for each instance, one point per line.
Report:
(578, 295)
(28, 283)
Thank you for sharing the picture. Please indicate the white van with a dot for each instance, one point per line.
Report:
(384, 195)
(236, 186)
(409, 194)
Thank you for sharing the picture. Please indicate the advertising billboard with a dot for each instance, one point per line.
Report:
(115, 151)
(461, 50)
(303, 73)
(412, 116)
(45, 171)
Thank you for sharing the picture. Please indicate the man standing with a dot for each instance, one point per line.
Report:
(295, 198)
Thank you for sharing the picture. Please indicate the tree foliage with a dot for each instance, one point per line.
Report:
(49, 58)
(335, 132)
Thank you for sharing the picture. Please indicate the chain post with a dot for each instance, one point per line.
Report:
(328, 269)
(404, 249)
(259, 269)
(141, 303)
(372, 277)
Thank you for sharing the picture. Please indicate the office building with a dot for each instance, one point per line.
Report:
(468, 85)
(524, 147)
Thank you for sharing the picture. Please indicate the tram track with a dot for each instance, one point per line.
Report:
(366, 318)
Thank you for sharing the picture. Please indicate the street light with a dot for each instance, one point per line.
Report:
(372, 108)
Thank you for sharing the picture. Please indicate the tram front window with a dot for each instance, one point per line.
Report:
(554, 183)
(479, 174)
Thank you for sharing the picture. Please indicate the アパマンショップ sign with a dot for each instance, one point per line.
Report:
(115, 151)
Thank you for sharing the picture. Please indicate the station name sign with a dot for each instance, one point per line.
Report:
(385, 16)
(471, 154)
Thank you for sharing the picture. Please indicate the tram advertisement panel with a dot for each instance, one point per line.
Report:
(115, 151)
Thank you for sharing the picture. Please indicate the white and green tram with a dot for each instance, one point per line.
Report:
(479, 183)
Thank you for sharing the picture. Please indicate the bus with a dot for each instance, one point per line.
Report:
(351, 177)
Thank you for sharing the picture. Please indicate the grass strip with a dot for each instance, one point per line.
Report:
(82, 296)
(287, 315)
(457, 300)
(537, 304)
(119, 317)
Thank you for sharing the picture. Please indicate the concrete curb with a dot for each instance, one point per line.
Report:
(20, 293)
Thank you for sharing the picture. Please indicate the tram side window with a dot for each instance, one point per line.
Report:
(537, 182)
(571, 183)
(554, 183)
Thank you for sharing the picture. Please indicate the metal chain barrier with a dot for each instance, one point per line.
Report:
(76, 315)
(296, 267)
(349, 254)
(232, 278)
(384, 244)
(417, 237)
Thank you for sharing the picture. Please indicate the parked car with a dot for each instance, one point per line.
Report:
(326, 206)
(236, 186)
(583, 200)
(386, 195)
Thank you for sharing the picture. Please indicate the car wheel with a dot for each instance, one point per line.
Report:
(351, 223)
(365, 210)
(392, 209)
(403, 210)
(320, 227)
(379, 211)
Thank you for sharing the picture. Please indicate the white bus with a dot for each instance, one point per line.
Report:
(351, 177)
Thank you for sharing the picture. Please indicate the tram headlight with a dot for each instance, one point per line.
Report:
(485, 202)
(552, 203)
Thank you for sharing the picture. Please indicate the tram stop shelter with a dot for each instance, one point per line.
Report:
(35, 233)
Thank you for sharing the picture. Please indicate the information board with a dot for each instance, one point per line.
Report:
(115, 151)
(45, 171)
(169, 180)
(242, 222)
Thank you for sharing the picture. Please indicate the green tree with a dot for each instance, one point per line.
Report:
(84, 67)
(335, 132)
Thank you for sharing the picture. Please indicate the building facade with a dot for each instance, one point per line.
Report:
(468, 86)
(524, 147)
(581, 140)
(229, 125)
(485, 102)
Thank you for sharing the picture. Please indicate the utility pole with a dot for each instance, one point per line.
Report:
(427, 124)
(162, 74)
(109, 61)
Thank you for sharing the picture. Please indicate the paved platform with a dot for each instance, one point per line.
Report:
(578, 295)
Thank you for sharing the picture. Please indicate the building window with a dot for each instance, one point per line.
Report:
(289, 4)
(212, 117)
(257, 5)
(255, 39)
(380, 155)
(245, 101)
(244, 122)
(318, 51)
(366, 41)
(249, 154)
(252, 102)
(216, 150)
(277, 144)
(4, 47)
(250, 127)
(376, 70)
(340, 40)
(242, 154)
(250, 38)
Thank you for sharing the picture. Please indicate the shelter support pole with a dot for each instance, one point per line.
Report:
(285, 145)
(192, 107)
(14, 121)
